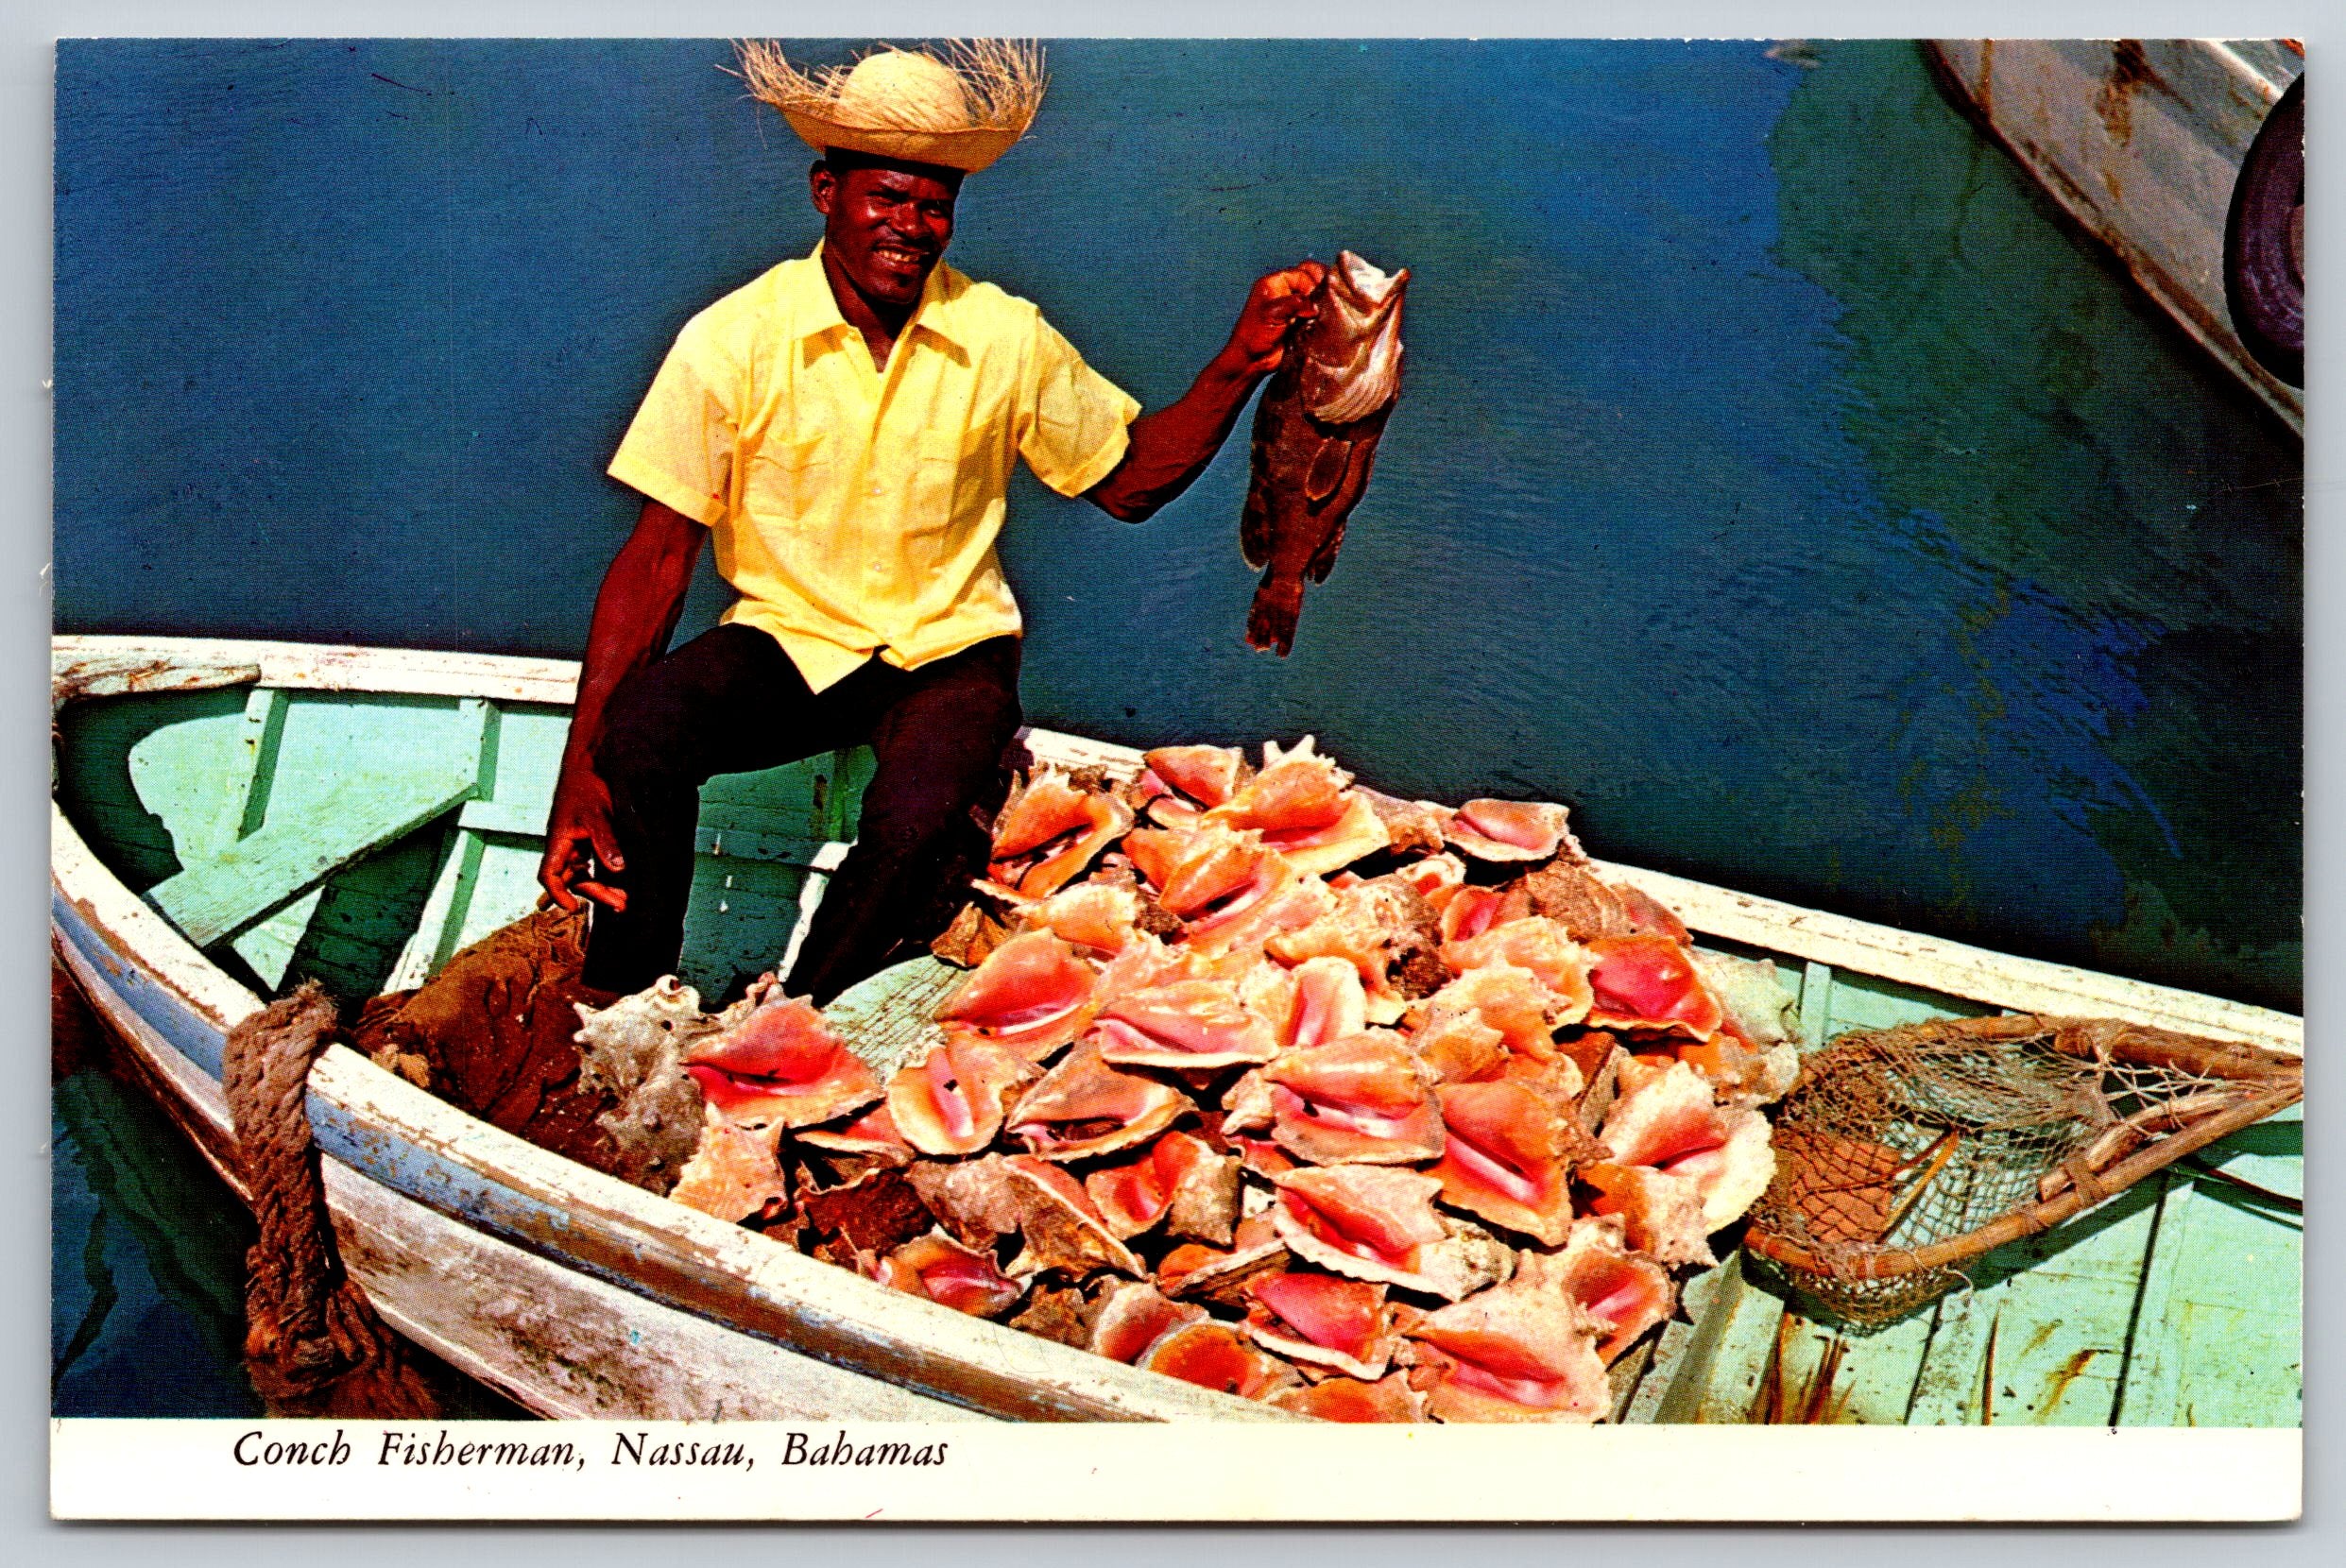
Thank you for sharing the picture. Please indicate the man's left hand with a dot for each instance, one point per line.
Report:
(1259, 339)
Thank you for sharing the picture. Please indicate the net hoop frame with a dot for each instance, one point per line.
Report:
(2278, 1082)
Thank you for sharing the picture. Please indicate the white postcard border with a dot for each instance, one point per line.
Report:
(319, 1469)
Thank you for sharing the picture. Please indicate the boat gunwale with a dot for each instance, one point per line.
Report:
(2200, 318)
(1087, 1387)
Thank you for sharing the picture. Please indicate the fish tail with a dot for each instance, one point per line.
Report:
(1270, 625)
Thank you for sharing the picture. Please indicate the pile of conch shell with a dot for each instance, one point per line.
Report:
(1374, 1109)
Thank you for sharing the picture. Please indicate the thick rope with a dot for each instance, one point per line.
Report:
(313, 1343)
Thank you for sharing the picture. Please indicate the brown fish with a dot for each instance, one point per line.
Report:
(1315, 434)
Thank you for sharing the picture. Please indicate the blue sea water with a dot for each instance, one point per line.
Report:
(1776, 480)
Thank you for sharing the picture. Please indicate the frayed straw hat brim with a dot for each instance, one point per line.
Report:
(968, 150)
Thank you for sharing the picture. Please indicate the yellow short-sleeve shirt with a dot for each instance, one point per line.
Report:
(854, 509)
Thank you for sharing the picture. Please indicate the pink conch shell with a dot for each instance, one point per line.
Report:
(1435, 878)
(1156, 853)
(1133, 1316)
(1505, 1158)
(1234, 931)
(1413, 827)
(1512, 830)
(1031, 994)
(1364, 1099)
(1187, 1024)
(1510, 1001)
(1179, 1180)
(1208, 775)
(1649, 915)
(1083, 1106)
(1660, 1214)
(1650, 983)
(1666, 1120)
(1374, 1222)
(1348, 1398)
(1299, 806)
(1228, 891)
(951, 1100)
(1324, 1002)
(873, 1133)
(1625, 1293)
(1219, 1275)
(1062, 1228)
(1535, 944)
(1577, 899)
(1092, 917)
(1323, 1319)
(1521, 1352)
(780, 1066)
(1372, 927)
(953, 1275)
(1458, 1047)
(1214, 1355)
(735, 1173)
(1048, 830)
(1470, 910)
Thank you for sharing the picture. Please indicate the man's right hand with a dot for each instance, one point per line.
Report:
(578, 825)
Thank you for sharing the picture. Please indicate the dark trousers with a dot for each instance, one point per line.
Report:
(730, 701)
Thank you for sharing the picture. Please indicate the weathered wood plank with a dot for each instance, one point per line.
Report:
(255, 875)
(514, 818)
(195, 777)
(1816, 1003)
(2220, 1340)
(886, 1020)
(269, 946)
(82, 668)
(366, 913)
(568, 1345)
(207, 779)
(167, 663)
(1954, 969)
(1841, 1374)
(504, 888)
(435, 936)
(2049, 1316)
(1717, 1367)
(738, 923)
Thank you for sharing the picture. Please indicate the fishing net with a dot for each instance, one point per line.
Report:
(1903, 1153)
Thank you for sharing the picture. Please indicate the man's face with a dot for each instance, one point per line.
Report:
(884, 226)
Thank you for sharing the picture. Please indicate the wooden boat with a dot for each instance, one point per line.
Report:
(358, 815)
(2142, 141)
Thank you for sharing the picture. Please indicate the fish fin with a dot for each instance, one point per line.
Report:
(1326, 472)
(1377, 384)
(1271, 623)
(1254, 524)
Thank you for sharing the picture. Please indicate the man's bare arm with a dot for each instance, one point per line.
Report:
(1172, 447)
(635, 613)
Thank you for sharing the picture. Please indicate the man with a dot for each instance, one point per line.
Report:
(845, 426)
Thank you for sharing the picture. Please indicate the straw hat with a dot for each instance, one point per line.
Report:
(962, 111)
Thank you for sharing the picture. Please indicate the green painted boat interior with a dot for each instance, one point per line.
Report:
(361, 840)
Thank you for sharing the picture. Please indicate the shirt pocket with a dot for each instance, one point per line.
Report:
(786, 484)
(957, 474)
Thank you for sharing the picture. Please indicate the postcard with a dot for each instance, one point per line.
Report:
(790, 775)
